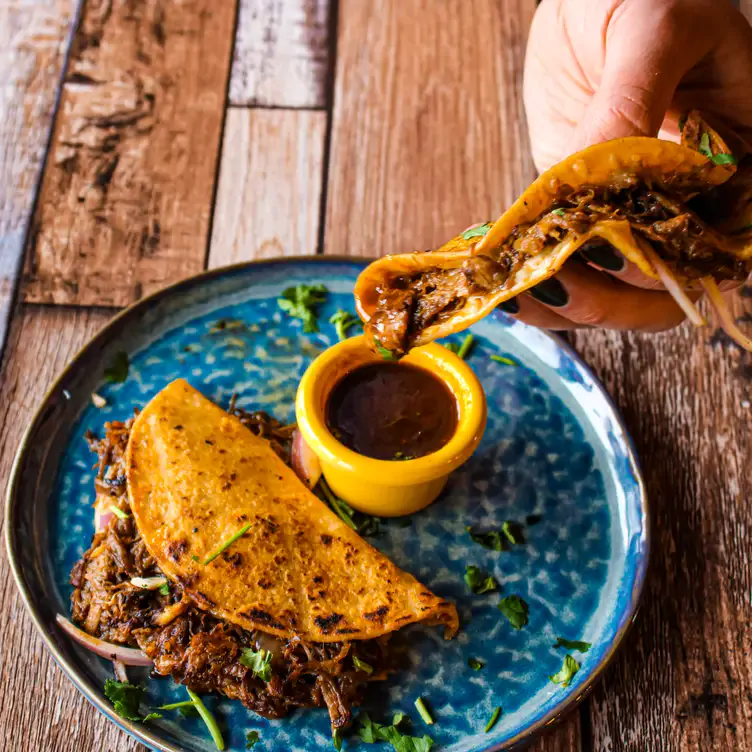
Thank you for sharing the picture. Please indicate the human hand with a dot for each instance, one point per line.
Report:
(602, 69)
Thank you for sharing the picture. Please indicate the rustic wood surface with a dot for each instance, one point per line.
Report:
(127, 192)
(33, 38)
(269, 185)
(281, 54)
(426, 136)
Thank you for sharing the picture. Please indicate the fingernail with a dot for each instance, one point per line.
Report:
(551, 292)
(510, 306)
(603, 255)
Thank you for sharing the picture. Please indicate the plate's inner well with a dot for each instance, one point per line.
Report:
(541, 465)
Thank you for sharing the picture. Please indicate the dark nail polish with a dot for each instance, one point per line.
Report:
(510, 306)
(551, 292)
(603, 255)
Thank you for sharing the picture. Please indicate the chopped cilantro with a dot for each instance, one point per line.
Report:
(505, 361)
(117, 373)
(465, 347)
(194, 557)
(301, 302)
(361, 523)
(118, 512)
(515, 609)
(252, 738)
(477, 583)
(188, 710)
(492, 720)
(370, 733)
(491, 540)
(402, 457)
(568, 669)
(452, 347)
(243, 530)
(420, 706)
(362, 665)
(259, 661)
(513, 532)
(475, 664)
(343, 321)
(562, 642)
(719, 159)
(126, 699)
(476, 232)
(383, 352)
(164, 589)
(558, 212)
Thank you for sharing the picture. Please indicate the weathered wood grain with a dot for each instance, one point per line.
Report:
(682, 682)
(281, 54)
(127, 191)
(429, 133)
(39, 708)
(269, 196)
(425, 143)
(33, 38)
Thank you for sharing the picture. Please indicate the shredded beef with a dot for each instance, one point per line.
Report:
(411, 303)
(190, 645)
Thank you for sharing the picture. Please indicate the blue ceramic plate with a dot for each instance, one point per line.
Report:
(555, 457)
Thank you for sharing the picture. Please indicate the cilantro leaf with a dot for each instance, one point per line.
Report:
(188, 711)
(370, 733)
(259, 661)
(477, 583)
(451, 346)
(126, 699)
(383, 352)
(362, 665)
(164, 589)
(475, 664)
(513, 532)
(252, 739)
(152, 717)
(558, 212)
(491, 540)
(301, 302)
(117, 373)
(343, 320)
(515, 609)
(568, 669)
(719, 159)
(476, 232)
(583, 647)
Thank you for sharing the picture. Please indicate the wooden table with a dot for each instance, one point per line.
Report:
(354, 127)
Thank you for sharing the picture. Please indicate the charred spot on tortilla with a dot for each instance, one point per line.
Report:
(679, 212)
(265, 590)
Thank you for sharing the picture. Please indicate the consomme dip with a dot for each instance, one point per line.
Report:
(392, 411)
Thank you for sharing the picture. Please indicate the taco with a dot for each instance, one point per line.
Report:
(680, 212)
(229, 574)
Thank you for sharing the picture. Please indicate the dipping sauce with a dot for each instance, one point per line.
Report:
(392, 411)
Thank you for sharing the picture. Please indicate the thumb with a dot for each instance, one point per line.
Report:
(643, 66)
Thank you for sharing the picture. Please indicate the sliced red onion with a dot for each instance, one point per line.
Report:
(724, 313)
(126, 656)
(304, 461)
(120, 673)
(101, 519)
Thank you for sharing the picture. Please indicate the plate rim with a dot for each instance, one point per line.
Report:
(142, 733)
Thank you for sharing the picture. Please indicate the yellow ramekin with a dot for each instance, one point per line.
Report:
(381, 487)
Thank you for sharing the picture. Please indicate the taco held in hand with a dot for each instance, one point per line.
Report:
(296, 583)
(681, 212)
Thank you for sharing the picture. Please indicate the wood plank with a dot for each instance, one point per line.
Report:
(281, 54)
(424, 143)
(428, 132)
(40, 709)
(684, 674)
(33, 38)
(269, 195)
(127, 192)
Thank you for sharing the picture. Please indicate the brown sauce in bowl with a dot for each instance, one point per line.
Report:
(392, 411)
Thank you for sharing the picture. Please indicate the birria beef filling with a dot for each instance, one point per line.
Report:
(412, 303)
(191, 646)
